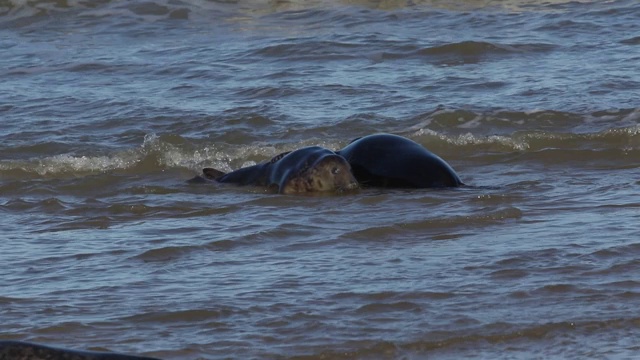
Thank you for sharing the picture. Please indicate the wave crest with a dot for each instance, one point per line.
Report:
(450, 134)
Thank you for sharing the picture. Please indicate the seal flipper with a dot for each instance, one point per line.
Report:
(212, 174)
(208, 174)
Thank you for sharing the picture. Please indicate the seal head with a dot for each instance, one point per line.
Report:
(322, 172)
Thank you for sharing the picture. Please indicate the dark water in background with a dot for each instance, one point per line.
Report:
(108, 106)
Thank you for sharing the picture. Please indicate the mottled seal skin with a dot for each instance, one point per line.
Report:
(307, 170)
(392, 161)
(18, 350)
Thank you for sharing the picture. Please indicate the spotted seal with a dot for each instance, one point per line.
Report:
(306, 170)
(19, 350)
(385, 160)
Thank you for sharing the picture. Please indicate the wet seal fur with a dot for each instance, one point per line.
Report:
(18, 350)
(392, 161)
(307, 170)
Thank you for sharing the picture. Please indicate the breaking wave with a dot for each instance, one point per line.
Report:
(162, 152)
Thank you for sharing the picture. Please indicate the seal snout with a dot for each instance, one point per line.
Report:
(347, 180)
(339, 173)
(352, 185)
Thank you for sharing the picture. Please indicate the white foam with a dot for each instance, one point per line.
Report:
(470, 139)
(473, 123)
(82, 164)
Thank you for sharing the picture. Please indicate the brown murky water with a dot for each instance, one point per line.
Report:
(108, 107)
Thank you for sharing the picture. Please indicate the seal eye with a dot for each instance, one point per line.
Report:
(335, 170)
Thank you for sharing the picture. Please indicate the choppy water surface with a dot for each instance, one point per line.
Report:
(107, 107)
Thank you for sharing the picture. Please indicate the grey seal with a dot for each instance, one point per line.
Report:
(392, 161)
(19, 350)
(307, 170)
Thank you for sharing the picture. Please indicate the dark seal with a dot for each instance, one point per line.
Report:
(18, 350)
(385, 160)
(307, 170)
